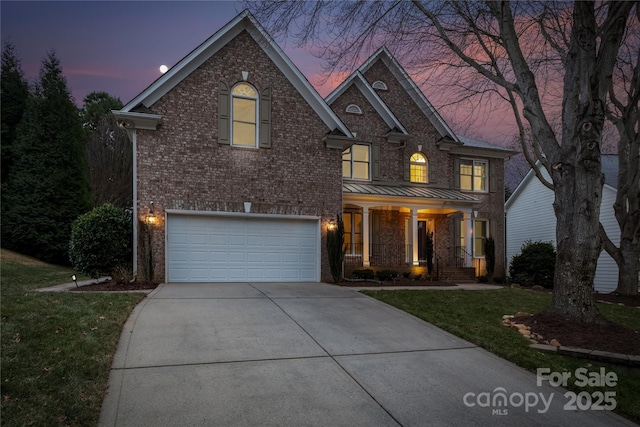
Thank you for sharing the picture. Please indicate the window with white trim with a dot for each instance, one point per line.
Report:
(356, 162)
(352, 232)
(480, 234)
(418, 168)
(244, 115)
(473, 175)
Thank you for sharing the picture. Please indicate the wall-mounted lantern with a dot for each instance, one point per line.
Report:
(151, 218)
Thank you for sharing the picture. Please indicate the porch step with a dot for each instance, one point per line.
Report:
(457, 275)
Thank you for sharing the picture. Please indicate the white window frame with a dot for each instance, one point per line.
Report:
(352, 161)
(414, 164)
(474, 236)
(257, 115)
(473, 176)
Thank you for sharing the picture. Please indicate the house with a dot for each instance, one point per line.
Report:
(530, 216)
(241, 167)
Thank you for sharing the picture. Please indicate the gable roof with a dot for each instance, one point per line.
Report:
(610, 169)
(356, 78)
(412, 89)
(245, 21)
(495, 150)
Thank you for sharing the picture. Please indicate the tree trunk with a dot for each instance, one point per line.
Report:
(578, 181)
(628, 268)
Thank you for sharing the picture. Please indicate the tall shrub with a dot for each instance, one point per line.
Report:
(101, 240)
(490, 257)
(535, 265)
(335, 249)
(429, 253)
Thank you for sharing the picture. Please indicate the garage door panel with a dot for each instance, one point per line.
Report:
(219, 249)
(218, 257)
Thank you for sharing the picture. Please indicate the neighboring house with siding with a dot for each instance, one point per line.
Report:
(241, 167)
(530, 216)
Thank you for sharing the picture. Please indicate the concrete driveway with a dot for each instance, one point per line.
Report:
(312, 354)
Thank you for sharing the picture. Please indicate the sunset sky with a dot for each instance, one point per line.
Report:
(118, 47)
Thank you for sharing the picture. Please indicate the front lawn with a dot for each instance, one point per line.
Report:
(56, 347)
(476, 317)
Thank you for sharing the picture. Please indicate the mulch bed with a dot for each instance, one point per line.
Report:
(400, 281)
(610, 337)
(633, 301)
(113, 286)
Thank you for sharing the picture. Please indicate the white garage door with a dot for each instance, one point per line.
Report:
(241, 249)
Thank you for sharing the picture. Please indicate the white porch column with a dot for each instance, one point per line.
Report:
(414, 236)
(365, 236)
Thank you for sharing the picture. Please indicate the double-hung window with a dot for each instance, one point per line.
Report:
(473, 175)
(479, 237)
(352, 232)
(418, 167)
(244, 102)
(356, 162)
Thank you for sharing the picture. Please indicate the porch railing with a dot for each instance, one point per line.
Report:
(464, 259)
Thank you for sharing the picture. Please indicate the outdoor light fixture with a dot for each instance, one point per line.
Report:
(151, 218)
(75, 279)
(332, 225)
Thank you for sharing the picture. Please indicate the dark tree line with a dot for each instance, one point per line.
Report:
(47, 181)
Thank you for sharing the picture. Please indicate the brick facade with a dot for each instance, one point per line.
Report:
(182, 166)
(424, 138)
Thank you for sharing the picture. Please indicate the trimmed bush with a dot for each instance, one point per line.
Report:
(336, 249)
(385, 275)
(490, 257)
(535, 265)
(101, 241)
(365, 274)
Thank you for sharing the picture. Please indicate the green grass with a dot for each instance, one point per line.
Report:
(476, 317)
(57, 348)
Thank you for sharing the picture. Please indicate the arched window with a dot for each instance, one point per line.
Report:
(379, 85)
(418, 164)
(244, 115)
(354, 109)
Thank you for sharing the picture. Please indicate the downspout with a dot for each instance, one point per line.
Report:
(133, 135)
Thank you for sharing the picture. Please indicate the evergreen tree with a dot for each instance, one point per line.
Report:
(97, 106)
(14, 94)
(47, 188)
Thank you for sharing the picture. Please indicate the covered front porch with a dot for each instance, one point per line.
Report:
(394, 227)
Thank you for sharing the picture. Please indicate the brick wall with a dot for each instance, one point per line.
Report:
(371, 128)
(182, 166)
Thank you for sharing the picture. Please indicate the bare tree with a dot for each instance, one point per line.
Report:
(543, 59)
(110, 158)
(623, 112)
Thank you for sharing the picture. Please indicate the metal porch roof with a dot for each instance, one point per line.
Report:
(406, 191)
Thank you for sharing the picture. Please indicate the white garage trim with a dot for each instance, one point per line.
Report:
(202, 246)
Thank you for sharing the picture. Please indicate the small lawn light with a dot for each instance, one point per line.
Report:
(75, 279)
